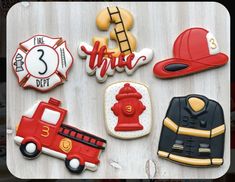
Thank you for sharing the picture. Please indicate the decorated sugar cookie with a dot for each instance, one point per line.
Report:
(128, 112)
(195, 50)
(41, 129)
(102, 60)
(193, 132)
(42, 62)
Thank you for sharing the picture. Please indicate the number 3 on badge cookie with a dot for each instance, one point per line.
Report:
(123, 22)
(42, 62)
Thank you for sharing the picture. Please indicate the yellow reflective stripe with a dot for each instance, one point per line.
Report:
(170, 124)
(217, 131)
(162, 153)
(190, 161)
(217, 161)
(194, 132)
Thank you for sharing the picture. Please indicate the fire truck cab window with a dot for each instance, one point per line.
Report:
(50, 116)
(29, 113)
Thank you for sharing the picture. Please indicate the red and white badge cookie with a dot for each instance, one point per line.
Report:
(42, 62)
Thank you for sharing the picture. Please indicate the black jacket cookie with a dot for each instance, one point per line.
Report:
(193, 132)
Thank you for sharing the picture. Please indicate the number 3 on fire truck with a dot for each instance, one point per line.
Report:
(45, 131)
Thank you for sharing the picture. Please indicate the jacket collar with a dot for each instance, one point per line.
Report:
(189, 108)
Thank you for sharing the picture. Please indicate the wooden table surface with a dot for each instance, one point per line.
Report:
(156, 26)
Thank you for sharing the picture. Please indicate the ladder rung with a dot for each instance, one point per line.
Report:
(123, 41)
(118, 22)
(119, 31)
(115, 12)
(126, 50)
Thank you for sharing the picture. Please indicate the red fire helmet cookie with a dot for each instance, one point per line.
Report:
(195, 50)
(128, 111)
(41, 129)
(42, 62)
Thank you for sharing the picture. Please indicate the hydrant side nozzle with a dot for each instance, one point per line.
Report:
(115, 109)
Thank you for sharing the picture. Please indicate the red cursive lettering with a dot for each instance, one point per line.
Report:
(101, 58)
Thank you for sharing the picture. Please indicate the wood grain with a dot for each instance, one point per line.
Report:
(156, 26)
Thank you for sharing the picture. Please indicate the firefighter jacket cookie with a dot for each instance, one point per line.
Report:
(193, 132)
(127, 110)
(41, 129)
(102, 60)
(42, 62)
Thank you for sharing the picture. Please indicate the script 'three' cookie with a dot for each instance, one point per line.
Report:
(41, 130)
(103, 61)
(193, 132)
(128, 112)
(42, 62)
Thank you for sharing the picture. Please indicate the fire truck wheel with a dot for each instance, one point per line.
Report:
(74, 165)
(29, 150)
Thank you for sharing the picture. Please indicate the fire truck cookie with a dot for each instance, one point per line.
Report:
(195, 50)
(128, 112)
(41, 129)
(193, 132)
(42, 62)
(103, 61)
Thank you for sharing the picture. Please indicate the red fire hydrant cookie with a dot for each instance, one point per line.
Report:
(42, 62)
(102, 60)
(127, 110)
(41, 129)
(195, 50)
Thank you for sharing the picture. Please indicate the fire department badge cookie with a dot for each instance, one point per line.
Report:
(102, 60)
(193, 132)
(195, 50)
(42, 62)
(128, 112)
(41, 129)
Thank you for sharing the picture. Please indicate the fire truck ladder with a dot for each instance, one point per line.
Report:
(73, 133)
(120, 31)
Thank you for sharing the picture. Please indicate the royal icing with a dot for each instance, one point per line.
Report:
(189, 135)
(195, 50)
(42, 62)
(127, 110)
(46, 133)
(103, 61)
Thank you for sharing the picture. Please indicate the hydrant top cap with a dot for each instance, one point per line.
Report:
(128, 92)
